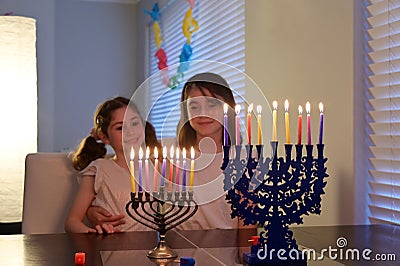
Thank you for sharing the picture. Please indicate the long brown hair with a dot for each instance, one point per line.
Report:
(90, 149)
(217, 86)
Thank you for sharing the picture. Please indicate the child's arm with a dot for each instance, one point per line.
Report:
(83, 199)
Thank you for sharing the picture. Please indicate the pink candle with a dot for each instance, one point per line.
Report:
(249, 110)
(308, 110)
(321, 121)
(155, 169)
(177, 167)
(184, 170)
(299, 125)
(140, 169)
(164, 166)
(237, 110)
(146, 166)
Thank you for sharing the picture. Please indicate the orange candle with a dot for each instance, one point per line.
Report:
(132, 170)
(299, 125)
(191, 180)
(259, 131)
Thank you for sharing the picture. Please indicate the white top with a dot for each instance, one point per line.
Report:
(214, 211)
(112, 187)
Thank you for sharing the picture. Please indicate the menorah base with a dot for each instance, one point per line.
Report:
(251, 259)
(162, 251)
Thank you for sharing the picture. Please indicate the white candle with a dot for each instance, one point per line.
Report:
(275, 106)
(225, 124)
(237, 120)
(146, 166)
(155, 169)
(287, 127)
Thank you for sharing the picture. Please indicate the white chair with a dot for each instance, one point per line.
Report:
(50, 187)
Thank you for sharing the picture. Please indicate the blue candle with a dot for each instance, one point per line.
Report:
(321, 122)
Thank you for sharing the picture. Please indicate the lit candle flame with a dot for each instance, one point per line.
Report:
(321, 107)
(177, 155)
(237, 109)
(259, 109)
(250, 108)
(155, 153)
(132, 154)
(308, 107)
(286, 105)
(147, 152)
(275, 105)
(300, 110)
(192, 152)
(140, 153)
(225, 108)
(164, 152)
(184, 153)
(171, 152)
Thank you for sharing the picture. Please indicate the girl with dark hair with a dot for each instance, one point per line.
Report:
(105, 182)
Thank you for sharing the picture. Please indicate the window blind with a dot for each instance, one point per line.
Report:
(383, 32)
(220, 38)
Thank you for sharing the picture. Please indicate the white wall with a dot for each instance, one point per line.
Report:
(303, 51)
(86, 52)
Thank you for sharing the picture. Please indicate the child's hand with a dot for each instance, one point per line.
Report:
(98, 215)
(105, 228)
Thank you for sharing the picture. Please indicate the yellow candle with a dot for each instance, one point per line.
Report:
(132, 170)
(191, 168)
(171, 167)
(259, 109)
(249, 110)
(275, 106)
(287, 121)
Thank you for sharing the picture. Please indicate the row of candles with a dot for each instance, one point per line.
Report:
(173, 168)
(274, 123)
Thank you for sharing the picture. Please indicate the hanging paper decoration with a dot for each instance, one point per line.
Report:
(189, 26)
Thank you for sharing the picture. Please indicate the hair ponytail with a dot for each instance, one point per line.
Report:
(88, 151)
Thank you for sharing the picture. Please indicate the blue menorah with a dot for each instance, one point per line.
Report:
(274, 192)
